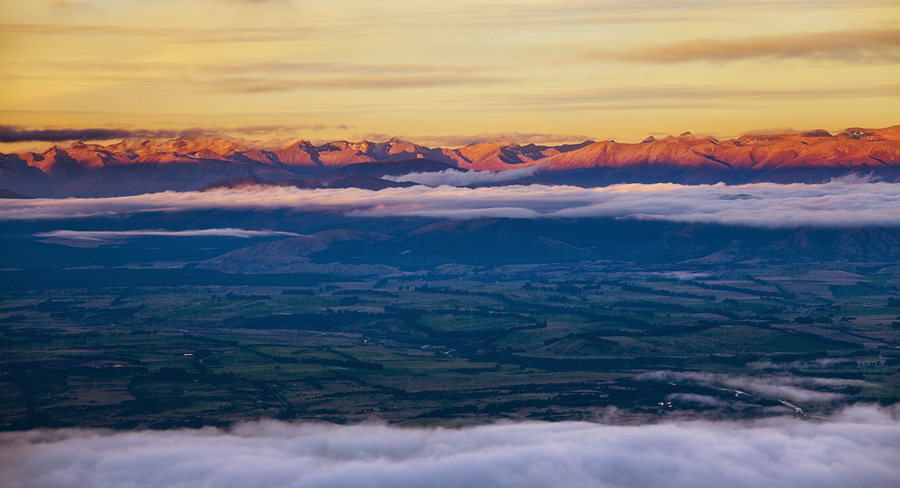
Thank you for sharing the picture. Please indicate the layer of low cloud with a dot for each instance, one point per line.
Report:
(820, 363)
(857, 447)
(670, 96)
(854, 46)
(291, 130)
(706, 400)
(15, 134)
(685, 275)
(778, 387)
(277, 76)
(174, 35)
(10, 133)
(841, 203)
(522, 138)
(262, 84)
(453, 177)
(93, 235)
(573, 13)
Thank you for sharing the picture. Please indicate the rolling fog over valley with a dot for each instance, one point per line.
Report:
(342, 243)
(461, 316)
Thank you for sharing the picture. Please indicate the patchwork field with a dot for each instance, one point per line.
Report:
(600, 342)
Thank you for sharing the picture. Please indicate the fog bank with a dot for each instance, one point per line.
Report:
(841, 203)
(857, 447)
(100, 235)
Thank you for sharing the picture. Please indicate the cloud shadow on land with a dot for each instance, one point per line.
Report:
(856, 447)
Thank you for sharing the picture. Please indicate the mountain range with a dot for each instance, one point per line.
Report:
(191, 163)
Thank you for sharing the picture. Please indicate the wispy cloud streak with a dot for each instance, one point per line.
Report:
(273, 76)
(13, 134)
(96, 235)
(877, 46)
(262, 84)
(670, 96)
(16, 134)
(498, 138)
(795, 388)
(855, 448)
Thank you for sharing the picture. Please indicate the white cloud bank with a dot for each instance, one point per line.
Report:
(840, 203)
(857, 447)
(454, 177)
(795, 388)
(102, 235)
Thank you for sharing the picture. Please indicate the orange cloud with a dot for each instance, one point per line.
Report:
(854, 46)
(259, 84)
(686, 96)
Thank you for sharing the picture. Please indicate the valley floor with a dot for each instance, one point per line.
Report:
(610, 342)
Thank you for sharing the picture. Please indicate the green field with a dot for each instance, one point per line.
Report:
(621, 345)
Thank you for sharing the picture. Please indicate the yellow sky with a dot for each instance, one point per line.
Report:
(440, 71)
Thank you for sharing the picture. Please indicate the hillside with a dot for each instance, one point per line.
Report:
(190, 163)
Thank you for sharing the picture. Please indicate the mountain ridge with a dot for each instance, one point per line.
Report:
(191, 162)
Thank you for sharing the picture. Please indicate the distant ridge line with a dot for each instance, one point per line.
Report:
(192, 162)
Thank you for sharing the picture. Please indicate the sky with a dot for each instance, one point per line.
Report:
(432, 71)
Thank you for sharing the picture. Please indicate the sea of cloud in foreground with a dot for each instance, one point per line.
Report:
(858, 447)
(840, 203)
